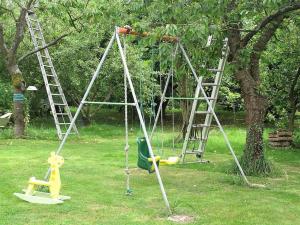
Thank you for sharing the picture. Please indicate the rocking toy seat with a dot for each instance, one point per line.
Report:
(145, 160)
(170, 161)
(54, 184)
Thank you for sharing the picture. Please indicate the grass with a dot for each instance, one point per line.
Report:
(93, 175)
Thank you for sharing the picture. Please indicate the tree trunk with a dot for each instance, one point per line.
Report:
(185, 105)
(253, 160)
(18, 98)
(86, 115)
(291, 117)
(293, 100)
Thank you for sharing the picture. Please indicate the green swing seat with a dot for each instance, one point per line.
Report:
(144, 158)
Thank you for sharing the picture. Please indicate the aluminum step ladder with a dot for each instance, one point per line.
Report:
(197, 134)
(57, 100)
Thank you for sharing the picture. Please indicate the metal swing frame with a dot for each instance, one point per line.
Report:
(128, 81)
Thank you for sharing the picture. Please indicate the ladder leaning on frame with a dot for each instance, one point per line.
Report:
(204, 127)
(203, 136)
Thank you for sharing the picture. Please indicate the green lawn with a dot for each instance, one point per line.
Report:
(93, 175)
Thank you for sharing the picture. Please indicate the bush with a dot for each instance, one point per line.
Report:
(296, 139)
(5, 97)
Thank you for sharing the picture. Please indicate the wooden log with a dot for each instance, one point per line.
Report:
(272, 135)
(280, 144)
(279, 139)
(284, 134)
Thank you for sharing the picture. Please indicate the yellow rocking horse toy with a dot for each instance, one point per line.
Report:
(54, 184)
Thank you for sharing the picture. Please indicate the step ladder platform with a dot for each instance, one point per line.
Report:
(41, 198)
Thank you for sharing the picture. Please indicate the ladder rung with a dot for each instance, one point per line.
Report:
(197, 139)
(209, 98)
(56, 94)
(48, 66)
(210, 84)
(55, 85)
(199, 125)
(214, 70)
(203, 112)
(49, 75)
(33, 20)
(64, 123)
(62, 114)
(189, 98)
(59, 104)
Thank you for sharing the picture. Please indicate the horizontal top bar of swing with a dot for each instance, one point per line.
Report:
(189, 98)
(129, 31)
(109, 103)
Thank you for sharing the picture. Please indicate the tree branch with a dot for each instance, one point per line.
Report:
(53, 42)
(293, 85)
(268, 19)
(3, 47)
(11, 12)
(261, 44)
(73, 21)
(20, 26)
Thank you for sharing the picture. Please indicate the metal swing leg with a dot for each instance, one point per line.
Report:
(142, 122)
(39, 195)
(96, 74)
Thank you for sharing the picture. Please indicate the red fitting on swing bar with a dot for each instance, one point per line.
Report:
(128, 30)
(124, 30)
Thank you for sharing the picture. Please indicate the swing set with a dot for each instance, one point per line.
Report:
(146, 158)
